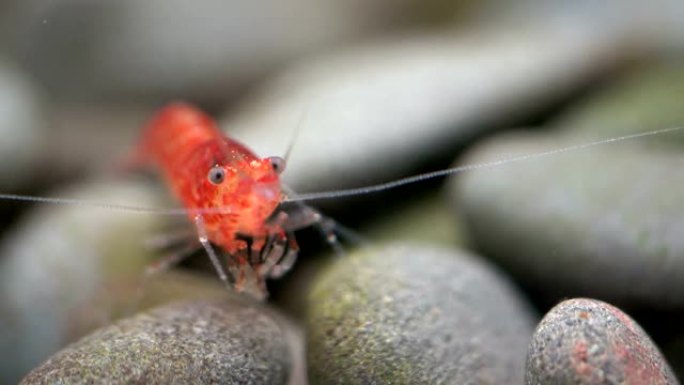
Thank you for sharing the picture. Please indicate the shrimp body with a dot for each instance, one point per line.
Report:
(233, 191)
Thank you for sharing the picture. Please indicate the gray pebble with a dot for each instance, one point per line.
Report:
(591, 222)
(584, 341)
(375, 112)
(205, 342)
(415, 315)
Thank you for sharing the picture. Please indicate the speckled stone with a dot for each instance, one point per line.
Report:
(587, 223)
(416, 314)
(203, 342)
(584, 341)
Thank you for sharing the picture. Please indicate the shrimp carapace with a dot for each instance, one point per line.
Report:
(231, 194)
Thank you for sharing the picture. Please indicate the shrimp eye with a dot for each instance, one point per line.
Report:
(277, 163)
(216, 175)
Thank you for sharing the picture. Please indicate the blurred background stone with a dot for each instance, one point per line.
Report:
(375, 112)
(654, 28)
(415, 314)
(589, 224)
(22, 126)
(199, 342)
(201, 50)
(584, 341)
(423, 220)
(648, 96)
(104, 134)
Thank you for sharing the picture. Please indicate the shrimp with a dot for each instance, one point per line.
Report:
(230, 194)
(235, 198)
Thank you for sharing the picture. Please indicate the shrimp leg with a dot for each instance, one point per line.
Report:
(204, 240)
(285, 259)
(306, 216)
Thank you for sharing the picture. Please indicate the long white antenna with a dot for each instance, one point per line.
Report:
(456, 170)
(295, 134)
(114, 206)
(337, 193)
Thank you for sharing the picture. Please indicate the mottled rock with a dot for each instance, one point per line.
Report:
(200, 342)
(646, 98)
(22, 126)
(415, 315)
(58, 257)
(591, 222)
(584, 341)
(375, 112)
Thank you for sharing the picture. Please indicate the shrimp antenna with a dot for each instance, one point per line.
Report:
(107, 206)
(295, 134)
(112, 206)
(469, 167)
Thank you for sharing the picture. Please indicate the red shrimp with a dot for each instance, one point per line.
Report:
(231, 195)
(234, 197)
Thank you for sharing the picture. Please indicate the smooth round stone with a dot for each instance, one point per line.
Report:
(604, 222)
(60, 256)
(584, 341)
(199, 342)
(415, 315)
(22, 126)
(646, 98)
(375, 112)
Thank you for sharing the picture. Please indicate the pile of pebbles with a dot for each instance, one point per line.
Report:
(566, 268)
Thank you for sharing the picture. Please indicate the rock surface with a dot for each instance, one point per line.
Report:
(584, 341)
(199, 342)
(588, 223)
(415, 314)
